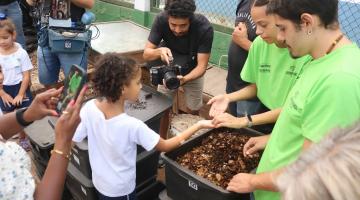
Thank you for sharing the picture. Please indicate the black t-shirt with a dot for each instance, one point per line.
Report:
(237, 55)
(76, 12)
(198, 40)
(6, 2)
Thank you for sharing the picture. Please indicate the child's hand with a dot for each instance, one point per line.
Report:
(18, 100)
(6, 98)
(206, 124)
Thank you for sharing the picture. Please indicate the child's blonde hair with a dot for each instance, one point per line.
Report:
(8, 26)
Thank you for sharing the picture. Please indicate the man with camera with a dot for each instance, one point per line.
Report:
(181, 39)
(63, 41)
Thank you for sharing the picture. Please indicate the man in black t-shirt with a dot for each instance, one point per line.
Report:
(179, 34)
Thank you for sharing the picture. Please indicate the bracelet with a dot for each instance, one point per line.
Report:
(20, 117)
(67, 156)
(249, 122)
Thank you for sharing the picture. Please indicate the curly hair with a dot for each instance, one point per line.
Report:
(180, 8)
(112, 72)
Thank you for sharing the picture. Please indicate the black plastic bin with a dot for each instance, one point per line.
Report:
(183, 184)
(80, 187)
(42, 138)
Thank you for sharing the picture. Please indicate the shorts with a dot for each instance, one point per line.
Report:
(13, 90)
(193, 91)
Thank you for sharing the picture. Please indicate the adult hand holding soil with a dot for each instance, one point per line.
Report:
(255, 144)
(227, 120)
(241, 183)
(218, 105)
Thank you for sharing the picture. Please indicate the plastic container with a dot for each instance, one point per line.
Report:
(42, 139)
(80, 187)
(183, 184)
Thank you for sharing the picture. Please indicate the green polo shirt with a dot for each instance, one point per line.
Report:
(273, 71)
(327, 95)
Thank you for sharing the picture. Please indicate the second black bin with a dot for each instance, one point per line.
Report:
(183, 184)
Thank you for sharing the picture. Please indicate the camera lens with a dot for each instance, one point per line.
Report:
(171, 81)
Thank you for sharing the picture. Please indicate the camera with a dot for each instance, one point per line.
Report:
(168, 74)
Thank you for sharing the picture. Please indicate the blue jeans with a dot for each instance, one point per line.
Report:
(50, 63)
(14, 13)
(131, 196)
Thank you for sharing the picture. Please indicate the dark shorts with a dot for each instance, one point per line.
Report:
(13, 90)
(131, 196)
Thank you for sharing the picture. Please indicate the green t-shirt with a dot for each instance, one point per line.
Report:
(273, 71)
(327, 95)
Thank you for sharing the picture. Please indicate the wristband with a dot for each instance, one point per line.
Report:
(249, 122)
(20, 117)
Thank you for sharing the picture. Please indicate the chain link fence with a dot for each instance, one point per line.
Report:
(223, 13)
(349, 17)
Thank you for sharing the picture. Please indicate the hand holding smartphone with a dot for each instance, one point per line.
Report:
(73, 84)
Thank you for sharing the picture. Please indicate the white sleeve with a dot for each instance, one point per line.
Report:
(81, 132)
(26, 64)
(146, 137)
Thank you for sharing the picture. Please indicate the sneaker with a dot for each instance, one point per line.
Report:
(25, 144)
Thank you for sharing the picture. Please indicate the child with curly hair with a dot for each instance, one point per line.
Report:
(112, 134)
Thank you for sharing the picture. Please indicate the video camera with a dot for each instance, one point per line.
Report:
(168, 74)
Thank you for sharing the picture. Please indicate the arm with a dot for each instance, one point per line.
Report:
(172, 143)
(87, 4)
(199, 70)
(43, 105)
(243, 183)
(151, 52)
(227, 120)
(24, 86)
(247, 92)
(52, 184)
(220, 103)
(240, 36)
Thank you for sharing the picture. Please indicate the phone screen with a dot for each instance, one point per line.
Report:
(73, 83)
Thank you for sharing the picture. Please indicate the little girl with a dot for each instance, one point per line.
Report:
(16, 67)
(112, 134)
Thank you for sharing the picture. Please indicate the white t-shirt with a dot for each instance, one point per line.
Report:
(14, 65)
(112, 148)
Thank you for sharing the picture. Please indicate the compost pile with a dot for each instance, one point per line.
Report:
(219, 158)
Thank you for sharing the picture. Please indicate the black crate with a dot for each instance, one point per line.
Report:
(146, 162)
(151, 192)
(80, 187)
(183, 184)
(42, 138)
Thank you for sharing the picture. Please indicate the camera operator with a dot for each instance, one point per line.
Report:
(61, 53)
(186, 38)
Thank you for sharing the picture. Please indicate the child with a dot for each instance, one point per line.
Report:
(112, 134)
(16, 66)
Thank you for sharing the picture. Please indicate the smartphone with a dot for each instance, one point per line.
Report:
(73, 84)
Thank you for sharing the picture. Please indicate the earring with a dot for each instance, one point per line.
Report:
(309, 32)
